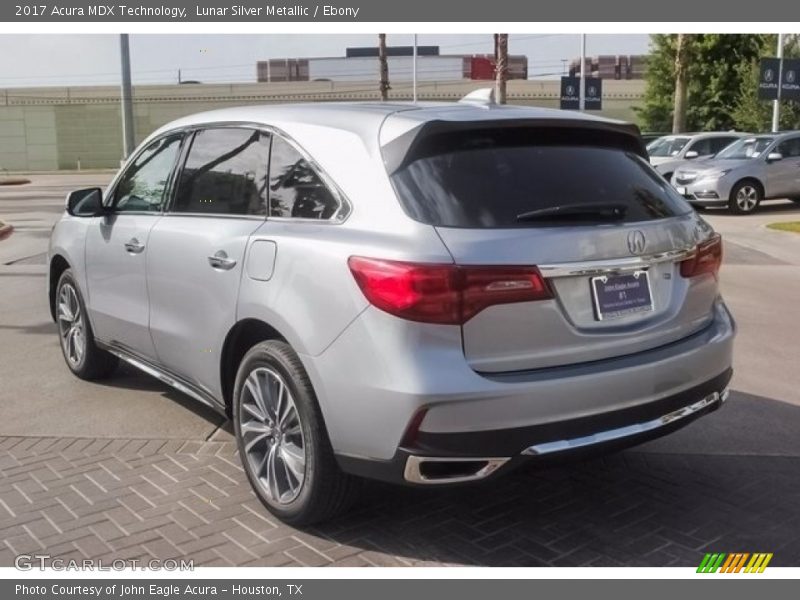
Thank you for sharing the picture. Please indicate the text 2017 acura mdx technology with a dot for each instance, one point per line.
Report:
(427, 294)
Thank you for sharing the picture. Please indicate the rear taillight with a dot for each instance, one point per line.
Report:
(443, 293)
(707, 259)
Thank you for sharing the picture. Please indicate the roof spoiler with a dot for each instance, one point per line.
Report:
(404, 149)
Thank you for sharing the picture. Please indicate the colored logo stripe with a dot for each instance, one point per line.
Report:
(735, 562)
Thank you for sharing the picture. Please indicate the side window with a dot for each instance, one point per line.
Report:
(225, 173)
(702, 147)
(143, 186)
(719, 143)
(295, 188)
(790, 148)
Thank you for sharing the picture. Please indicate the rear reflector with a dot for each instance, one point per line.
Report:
(707, 259)
(443, 293)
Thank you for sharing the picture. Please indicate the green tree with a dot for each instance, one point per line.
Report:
(752, 114)
(714, 80)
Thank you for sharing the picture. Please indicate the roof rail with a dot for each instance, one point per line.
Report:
(480, 97)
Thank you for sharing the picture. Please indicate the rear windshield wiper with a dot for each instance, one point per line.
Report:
(591, 211)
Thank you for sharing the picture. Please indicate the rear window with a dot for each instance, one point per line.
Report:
(490, 179)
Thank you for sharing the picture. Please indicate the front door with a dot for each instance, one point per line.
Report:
(117, 248)
(783, 176)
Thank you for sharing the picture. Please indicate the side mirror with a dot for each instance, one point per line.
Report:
(691, 154)
(87, 202)
(774, 157)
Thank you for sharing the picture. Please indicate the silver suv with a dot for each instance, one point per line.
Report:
(753, 169)
(424, 294)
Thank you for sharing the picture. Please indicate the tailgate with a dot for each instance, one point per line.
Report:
(567, 329)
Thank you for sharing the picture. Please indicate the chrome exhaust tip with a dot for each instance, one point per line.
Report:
(431, 470)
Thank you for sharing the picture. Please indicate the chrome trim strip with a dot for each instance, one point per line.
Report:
(413, 474)
(628, 430)
(171, 380)
(600, 267)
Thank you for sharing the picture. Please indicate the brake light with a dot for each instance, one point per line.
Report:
(707, 259)
(443, 293)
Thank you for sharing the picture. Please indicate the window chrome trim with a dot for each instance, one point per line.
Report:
(601, 267)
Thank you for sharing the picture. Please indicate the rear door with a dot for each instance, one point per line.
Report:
(591, 213)
(197, 250)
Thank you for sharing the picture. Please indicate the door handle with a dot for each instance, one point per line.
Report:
(220, 260)
(134, 246)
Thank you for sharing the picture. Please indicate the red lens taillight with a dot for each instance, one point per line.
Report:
(707, 259)
(443, 293)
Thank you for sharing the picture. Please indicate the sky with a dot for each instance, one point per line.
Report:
(57, 60)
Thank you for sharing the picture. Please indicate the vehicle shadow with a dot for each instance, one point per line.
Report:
(130, 378)
(726, 483)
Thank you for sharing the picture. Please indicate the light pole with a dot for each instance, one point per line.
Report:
(776, 104)
(414, 70)
(127, 102)
(582, 85)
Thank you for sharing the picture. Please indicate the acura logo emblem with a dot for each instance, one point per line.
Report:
(636, 242)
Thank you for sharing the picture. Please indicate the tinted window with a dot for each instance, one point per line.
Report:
(702, 147)
(295, 188)
(790, 148)
(719, 143)
(486, 180)
(225, 173)
(143, 186)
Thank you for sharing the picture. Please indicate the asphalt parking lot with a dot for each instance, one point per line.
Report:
(129, 468)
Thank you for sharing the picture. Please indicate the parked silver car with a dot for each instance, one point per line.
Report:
(425, 294)
(753, 169)
(670, 152)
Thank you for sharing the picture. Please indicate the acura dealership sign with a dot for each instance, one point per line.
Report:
(774, 75)
(570, 87)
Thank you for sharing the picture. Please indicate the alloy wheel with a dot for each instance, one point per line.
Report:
(71, 324)
(272, 435)
(747, 198)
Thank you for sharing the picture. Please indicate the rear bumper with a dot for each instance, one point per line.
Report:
(471, 456)
(382, 374)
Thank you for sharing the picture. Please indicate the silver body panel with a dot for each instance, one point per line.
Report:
(169, 310)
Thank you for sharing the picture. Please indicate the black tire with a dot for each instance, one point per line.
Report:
(745, 198)
(325, 490)
(93, 363)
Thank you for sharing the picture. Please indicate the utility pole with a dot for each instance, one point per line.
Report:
(127, 101)
(776, 104)
(681, 83)
(582, 83)
(414, 71)
(384, 67)
(501, 68)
